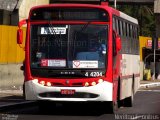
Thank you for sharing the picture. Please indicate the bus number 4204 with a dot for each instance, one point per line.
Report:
(93, 74)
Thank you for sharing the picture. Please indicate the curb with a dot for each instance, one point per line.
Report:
(11, 92)
(150, 85)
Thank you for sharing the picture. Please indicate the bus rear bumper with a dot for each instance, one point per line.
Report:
(100, 92)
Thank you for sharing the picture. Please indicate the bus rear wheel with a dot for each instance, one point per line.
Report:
(128, 102)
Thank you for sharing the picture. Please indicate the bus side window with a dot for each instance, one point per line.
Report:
(114, 24)
(114, 44)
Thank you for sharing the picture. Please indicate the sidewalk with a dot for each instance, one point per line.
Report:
(11, 95)
(149, 83)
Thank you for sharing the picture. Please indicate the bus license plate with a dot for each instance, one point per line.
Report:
(67, 92)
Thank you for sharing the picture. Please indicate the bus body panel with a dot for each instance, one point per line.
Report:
(102, 90)
(128, 71)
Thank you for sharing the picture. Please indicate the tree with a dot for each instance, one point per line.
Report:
(145, 16)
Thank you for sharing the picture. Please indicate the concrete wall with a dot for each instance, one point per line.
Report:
(8, 4)
(11, 77)
(5, 19)
(27, 4)
(11, 58)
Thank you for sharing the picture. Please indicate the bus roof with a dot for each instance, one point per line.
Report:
(120, 14)
(129, 18)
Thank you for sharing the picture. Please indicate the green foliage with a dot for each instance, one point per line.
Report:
(145, 16)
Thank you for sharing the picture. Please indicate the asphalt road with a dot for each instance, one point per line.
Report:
(146, 107)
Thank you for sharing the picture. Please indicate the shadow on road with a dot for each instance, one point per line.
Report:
(73, 109)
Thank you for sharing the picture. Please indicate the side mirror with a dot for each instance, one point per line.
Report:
(19, 36)
(118, 43)
(20, 31)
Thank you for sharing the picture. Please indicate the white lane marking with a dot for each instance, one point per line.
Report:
(150, 90)
(150, 84)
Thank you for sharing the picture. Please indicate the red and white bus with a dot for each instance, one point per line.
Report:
(80, 52)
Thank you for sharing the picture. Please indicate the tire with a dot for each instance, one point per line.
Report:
(116, 104)
(118, 93)
(128, 102)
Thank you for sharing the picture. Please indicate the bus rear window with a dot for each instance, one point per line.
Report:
(85, 14)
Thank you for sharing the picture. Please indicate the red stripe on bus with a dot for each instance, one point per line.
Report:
(130, 76)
